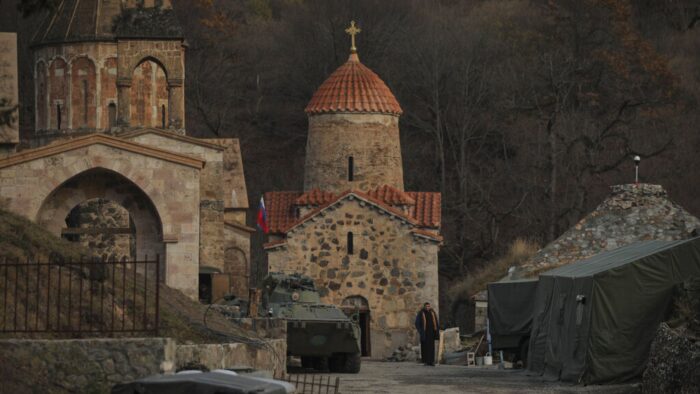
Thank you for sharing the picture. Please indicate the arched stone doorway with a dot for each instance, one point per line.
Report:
(236, 266)
(100, 192)
(357, 308)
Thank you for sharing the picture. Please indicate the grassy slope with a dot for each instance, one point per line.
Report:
(180, 317)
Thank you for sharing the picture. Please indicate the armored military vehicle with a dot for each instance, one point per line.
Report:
(321, 334)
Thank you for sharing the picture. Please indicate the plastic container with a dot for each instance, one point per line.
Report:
(479, 361)
(488, 359)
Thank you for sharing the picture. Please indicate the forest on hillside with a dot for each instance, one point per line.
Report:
(521, 112)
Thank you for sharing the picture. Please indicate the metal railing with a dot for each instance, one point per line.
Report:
(83, 298)
(306, 383)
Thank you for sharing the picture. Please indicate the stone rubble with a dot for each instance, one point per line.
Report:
(673, 364)
(631, 213)
(406, 352)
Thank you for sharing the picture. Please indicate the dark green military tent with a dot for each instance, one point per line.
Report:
(510, 312)
(594, 320)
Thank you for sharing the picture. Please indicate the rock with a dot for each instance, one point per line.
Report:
(451, 340)
(673, 364)
(405, 353)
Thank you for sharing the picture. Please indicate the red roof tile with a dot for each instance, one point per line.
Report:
(428, 208)
(424, 211)
(364, 196)
(391, 195)
(353, 88)
(315, 197)
(281, 213)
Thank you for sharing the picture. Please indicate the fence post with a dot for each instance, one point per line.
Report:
(4, 302)
(26, 295)
(48, 297)
(58, 301)
(38, 288)
(133, 267)
(157, 293)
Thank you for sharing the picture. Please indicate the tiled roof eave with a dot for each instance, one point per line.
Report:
(379, 204)
(313, 111)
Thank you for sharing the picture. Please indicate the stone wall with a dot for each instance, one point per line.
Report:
(56, 67)
(168, 54)
(101, 216)
(237, 258)
(391, 268)
(371, 139)
(631, 213)
(269, 356)
(95, 365)
(148, 73)
(213, 191)
(9, 89)
(81, 366)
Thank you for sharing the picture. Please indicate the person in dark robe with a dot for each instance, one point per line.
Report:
(427, 325)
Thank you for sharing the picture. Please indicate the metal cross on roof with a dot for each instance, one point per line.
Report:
(353, 31)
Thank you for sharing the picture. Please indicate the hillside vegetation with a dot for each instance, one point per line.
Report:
(180, 317)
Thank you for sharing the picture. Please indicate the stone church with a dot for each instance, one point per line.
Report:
(109, 162)
(370, 246)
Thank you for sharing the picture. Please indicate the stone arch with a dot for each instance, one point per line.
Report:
(102, 183)
(41, 98)
(236, 265)
(149, 93)
(108, 90)
(356, 301)
(83, 79)
(59, 97)
(147, 58)
(357, 307)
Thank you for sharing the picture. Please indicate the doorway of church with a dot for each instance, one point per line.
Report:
(357, 308)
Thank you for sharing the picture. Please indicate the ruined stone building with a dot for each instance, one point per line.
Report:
(369, 245)
(631, 213)
(110, 164)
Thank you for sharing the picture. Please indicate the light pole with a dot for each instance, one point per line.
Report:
(637, 159)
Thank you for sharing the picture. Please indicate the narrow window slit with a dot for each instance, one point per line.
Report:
(350, 243)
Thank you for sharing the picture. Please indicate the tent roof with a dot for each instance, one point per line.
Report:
(615, 258)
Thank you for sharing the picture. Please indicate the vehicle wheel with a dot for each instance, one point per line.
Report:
(320, 363)
(336, 363)
(307, 362)
(524, 349)
(352, 363)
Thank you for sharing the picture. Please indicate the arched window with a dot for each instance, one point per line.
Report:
(162, 115)
(350, 243)
(58, 116)
(85, 103)
(351, 168)
(112, 114)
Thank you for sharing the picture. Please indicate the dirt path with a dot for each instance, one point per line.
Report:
(409, 377)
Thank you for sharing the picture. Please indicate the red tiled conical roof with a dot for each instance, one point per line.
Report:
(353, 88)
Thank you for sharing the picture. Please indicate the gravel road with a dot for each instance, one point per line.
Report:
(410, 377)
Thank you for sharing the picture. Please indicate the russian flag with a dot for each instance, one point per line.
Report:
(262, 217)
